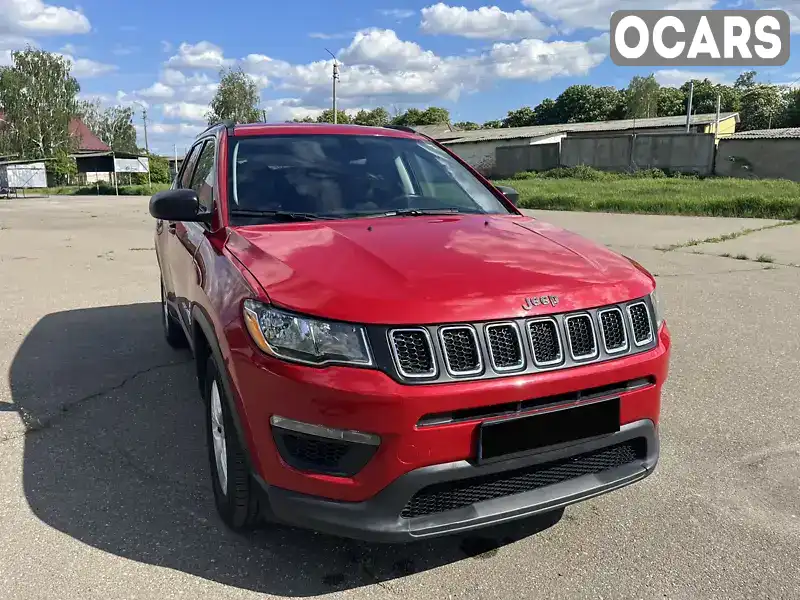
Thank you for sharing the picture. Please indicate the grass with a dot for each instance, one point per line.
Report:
(104, 190)
(596, 191)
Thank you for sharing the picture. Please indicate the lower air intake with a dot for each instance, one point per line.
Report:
(442, 497)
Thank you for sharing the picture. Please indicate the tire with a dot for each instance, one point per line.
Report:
(173, 332)
(235, 494)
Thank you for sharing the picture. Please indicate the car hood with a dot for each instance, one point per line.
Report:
(426, 269)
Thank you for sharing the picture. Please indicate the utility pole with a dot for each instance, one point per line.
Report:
(716, 127)
(689, 107)
(146, 144)
(335, 77)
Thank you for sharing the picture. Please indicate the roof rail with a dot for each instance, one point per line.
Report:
(410, 130)
(227, 123)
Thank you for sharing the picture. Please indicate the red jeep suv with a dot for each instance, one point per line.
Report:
(387, 348)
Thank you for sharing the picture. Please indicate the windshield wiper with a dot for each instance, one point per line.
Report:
(285, 215)
(416, 212)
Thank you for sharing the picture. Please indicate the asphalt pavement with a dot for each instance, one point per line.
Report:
(104, 492)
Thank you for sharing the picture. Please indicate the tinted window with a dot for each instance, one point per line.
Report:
(351, 175)
(203, 178)
(188, 167)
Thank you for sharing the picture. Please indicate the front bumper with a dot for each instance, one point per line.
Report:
(379, 519)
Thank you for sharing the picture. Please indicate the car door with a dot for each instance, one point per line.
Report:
(165, 230)
(187, 277)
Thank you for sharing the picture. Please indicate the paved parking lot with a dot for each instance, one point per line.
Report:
(103, 485)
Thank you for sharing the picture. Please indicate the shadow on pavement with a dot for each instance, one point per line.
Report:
(116, 459)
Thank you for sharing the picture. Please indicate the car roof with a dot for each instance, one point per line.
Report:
(253, 129)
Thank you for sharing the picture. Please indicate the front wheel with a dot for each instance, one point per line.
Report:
(235, 494)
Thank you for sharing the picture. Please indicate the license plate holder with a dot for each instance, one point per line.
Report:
(522, 435)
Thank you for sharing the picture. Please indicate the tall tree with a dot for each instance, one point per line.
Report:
(38, 100)
(495, 124)
(704, 97)
(377, 117)
(521, 117)
(236, 99)
(433, 115)
(762, 107)
(745, 81)
(671, 102)
(114, 125)
(792, 98)
(585, 103)
(466, 125)
(341, 117)
(641, 97)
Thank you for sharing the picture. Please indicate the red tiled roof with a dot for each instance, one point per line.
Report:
(87, 141)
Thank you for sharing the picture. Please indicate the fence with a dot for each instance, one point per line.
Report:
(759, 158)
(668, 151)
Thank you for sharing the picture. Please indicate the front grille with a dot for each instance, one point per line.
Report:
(413, 352)
(545, 343)
(460, 347)
(505, 346)
(580, 334)
(640, 322)
(459, 494)
(612, 328)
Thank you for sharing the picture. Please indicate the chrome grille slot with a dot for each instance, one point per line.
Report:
(505, 346)
(545, 342)
(461, 351)
(580, 336)
(640, 323)
(612, 328)
(413, 352)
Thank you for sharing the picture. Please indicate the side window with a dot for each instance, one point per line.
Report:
(204, 176)
(188, 167)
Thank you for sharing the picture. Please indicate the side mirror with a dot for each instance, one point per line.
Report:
(178, 205)
(510, 193)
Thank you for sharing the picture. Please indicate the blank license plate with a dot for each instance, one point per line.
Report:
(520, 435)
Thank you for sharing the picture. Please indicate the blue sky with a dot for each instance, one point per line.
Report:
(478, 59)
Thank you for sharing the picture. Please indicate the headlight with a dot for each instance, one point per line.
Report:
(303, 339)
(658, 307)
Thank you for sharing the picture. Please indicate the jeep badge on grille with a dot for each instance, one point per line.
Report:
(531, 303)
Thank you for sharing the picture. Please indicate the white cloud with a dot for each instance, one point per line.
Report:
(35, 17)
(397, 13)
(576, 14)
(329, 36)
(202, 55)
(5, 58)
(486, 22)
(166, 46)
(203, 92)
(288, 109)
(185, 110)
(120, 50)
(792, 7)
(677, 77)
(540, 61)
(157, 91)
(85, 68)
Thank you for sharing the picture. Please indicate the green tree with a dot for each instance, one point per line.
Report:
(38, 99)
(114, 126)
(433, 115)
(342, 117)
(641, 97)
(61, 168)
(305, 120)
(521, 117)
(792, 114)
(704, 98)
(546, 113)
(377, 117)
(762, 107)
(671, 102)
(585, 103)
(236, 99)
(745, 81)
(466, 125)
(492, 124)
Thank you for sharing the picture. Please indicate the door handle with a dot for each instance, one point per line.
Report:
(173, 227)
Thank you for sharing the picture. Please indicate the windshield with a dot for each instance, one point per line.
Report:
(340, 176)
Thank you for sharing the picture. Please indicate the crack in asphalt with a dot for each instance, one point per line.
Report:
(724, 237)
(34, 423)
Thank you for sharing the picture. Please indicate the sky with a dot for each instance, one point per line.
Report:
(477, 59)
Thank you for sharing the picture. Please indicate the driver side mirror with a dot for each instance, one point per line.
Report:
(510, 193)
(178, 205)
